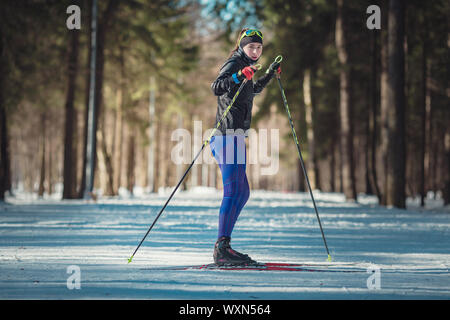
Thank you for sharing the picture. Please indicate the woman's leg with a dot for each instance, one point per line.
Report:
(229, 203)
(244, 194)
(235, 183)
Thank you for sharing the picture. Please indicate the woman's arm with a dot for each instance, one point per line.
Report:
(225, 81)
(261, 83)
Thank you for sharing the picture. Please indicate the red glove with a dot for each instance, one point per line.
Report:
(248, 72)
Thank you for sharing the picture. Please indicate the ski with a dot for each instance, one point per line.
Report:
(264, 266)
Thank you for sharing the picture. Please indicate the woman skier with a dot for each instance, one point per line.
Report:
(228, 142)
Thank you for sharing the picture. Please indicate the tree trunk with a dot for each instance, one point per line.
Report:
(4, 150)
(106, 157)
(163, 169)
(349, 186)
(180, 167)
(70, 163)
(423, 116)
(196, 137)
(86, 110)
(373, 176)
(41, 188)
(102, 28)
(332, 156)
(433, 146)
(301, 124)
(396, 98)
(309, 127)
(366, 140)
(213, 176)
(446, 193)
(5, 173)
(384, 105)
(428, 141)
(118, 141)
(131, 160)
(50, 163)
(152, 137)
(157, 146)
(338, 155)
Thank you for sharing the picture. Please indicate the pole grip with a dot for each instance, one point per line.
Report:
(256, 67)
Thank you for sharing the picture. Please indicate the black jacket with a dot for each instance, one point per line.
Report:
(224, 87)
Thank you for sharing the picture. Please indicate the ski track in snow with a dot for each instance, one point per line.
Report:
(39, 239)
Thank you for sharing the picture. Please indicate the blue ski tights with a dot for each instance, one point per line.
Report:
(229, 152)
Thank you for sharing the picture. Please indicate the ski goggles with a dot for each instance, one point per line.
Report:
(251, 32)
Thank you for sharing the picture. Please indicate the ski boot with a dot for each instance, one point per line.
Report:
(224, 255)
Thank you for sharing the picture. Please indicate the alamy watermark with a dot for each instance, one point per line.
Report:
(74, 20)
(74, 280)
(374, 20)
(263, 147)
(374, 280)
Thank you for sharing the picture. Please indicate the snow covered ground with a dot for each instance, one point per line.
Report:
(41, 240)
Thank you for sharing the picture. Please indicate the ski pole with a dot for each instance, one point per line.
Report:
(256, 67)
(279, 59)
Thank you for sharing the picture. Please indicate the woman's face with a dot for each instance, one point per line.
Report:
(253, 50)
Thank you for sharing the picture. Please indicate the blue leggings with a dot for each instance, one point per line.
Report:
(229, 152)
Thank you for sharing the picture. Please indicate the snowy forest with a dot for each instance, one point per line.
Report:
(108, 106)
(369, 99)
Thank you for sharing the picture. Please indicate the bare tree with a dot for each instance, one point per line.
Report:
(395, 193)
(349, 186)
(5, 175)
(70, 164)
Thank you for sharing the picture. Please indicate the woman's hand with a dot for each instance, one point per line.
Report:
(246, 72)
(275, 66)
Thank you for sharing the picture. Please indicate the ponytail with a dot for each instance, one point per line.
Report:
(237, 42)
